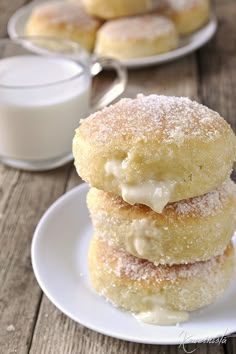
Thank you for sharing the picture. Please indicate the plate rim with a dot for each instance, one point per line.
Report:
(84, 187)
(134, 63)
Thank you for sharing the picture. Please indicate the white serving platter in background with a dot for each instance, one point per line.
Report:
(187, 44)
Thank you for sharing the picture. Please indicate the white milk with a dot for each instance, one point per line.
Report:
(42, 100)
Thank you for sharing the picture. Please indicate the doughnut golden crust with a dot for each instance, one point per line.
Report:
(63, 20)
(188, 15)
(187, 231)
(135, 37)
(154, 150)
(137, 285)
(109, 9)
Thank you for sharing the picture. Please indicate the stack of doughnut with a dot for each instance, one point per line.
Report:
(162, 205)
(120, 29)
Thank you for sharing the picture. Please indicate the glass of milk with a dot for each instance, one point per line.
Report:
(45, 87)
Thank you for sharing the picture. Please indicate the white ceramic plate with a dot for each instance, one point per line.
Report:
(59, 258)
(187, 45)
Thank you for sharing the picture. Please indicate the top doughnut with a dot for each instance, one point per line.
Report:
(109, 9)
(155, 149)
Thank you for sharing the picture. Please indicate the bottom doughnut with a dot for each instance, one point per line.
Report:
(157, 294)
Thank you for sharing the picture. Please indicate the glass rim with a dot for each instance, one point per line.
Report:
(37, 52)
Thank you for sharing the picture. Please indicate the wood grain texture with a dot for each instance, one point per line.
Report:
(217, 64)
(230, 346)
(217, 73)
(24, 198)
(7, 8)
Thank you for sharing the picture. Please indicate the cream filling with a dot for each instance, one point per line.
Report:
(115, 168)
(139, 241)
(152, 193)
(160, 315)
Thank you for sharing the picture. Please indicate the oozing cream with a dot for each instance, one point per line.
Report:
(139, 241)
(155, 194)
(162, 316)
(151, 193)
(159, 314)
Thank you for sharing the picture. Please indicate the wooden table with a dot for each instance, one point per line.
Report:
(29, 323)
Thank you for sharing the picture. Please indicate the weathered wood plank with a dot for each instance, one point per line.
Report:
(217, 70)
(7, 8)
(230, 346)
(23, 199)
(217, 64)
(178, 79)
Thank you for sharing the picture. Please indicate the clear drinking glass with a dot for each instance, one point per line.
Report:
(45, 86)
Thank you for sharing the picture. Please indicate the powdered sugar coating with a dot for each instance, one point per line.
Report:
(154, 118)
(125, 265)
(66, 13)
(203, 206)
(208, 204)
(138, 27)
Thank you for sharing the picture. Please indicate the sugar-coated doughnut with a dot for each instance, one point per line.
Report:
(136, 37)
(157, 294)
(153, 150)
(188, 15)
(63, 20)
(109, 9)
(187, 231)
